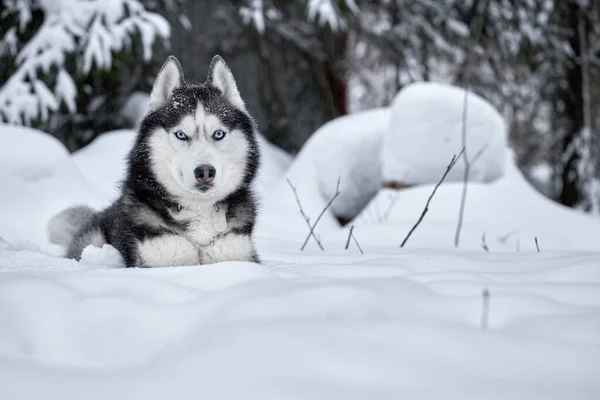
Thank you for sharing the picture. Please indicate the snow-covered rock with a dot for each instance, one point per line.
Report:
(346, 148)
(41, 150)
(426, 131)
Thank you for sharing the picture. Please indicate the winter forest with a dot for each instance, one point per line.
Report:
(428, 199)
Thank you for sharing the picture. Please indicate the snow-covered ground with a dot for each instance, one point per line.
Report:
(392, 323)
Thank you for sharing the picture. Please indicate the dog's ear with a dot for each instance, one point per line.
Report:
(169, 78)
(220, 76)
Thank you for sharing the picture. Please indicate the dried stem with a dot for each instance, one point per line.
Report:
(306, 218)
(356, 241)
(468, 66)
(448, 168)
(479, 153)
(537, 245)
(484, 243)
(349, 236)
(485, 308)
(312, 229)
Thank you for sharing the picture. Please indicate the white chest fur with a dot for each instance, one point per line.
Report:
(203, 224)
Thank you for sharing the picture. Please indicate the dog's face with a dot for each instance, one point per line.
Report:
(200, 138)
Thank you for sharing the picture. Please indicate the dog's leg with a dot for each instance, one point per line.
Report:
(230, 247)
(167, 251)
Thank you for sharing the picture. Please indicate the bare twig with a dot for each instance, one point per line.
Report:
(349, 236)
(484, 243)
(485, 308)
(479, 153)
(504, 238)
(312, 229)
(356, 241)
(473, 42)
(388, 210)
(306, 218)
(448, 168)
(537, 246)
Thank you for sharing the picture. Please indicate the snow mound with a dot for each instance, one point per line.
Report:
(426, 131)
(102, 162)
(39, 178)
(274, 162)
(348, 148)
(42, 152)
(505, 215)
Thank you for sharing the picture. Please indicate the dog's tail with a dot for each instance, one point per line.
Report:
(75, 228)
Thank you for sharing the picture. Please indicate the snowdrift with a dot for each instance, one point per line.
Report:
(392, 323)
(426, 132)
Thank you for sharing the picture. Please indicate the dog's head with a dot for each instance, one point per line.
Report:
(200, 138)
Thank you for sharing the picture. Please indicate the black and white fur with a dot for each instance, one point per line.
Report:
(183, 201)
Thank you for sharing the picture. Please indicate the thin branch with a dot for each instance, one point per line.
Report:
(479, 153)
(452, 163)
(485, 308)
(468, 65)
(306, 218)
(388, 210)
(484, 243)
(537, 246)
(504, 238)
(349, 236)
(312, 229)
(356, 241)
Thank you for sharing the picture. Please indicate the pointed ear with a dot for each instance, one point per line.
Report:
(169, 78)
(220, 76)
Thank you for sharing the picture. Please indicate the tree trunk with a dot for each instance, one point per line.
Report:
(572, 121)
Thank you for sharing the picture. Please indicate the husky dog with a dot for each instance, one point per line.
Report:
(187, 196)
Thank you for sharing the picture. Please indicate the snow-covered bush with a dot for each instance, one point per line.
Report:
(56, 50)
(426, 131)
(324, 12)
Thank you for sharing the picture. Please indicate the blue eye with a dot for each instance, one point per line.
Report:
(180, 135)
(218, 135)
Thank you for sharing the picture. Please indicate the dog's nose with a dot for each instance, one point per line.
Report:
(205, 173)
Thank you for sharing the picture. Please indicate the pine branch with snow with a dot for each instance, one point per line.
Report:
(75, 38)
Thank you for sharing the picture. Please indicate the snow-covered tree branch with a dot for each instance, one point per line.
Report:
(74, 38)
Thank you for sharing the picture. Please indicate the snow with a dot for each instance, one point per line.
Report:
(392, 323)
(347, 149)
(426, 131)
(136, 106)
(509, 212)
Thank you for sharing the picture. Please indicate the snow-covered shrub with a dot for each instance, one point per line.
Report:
(324, 12)
(426, 131)
(58, 50)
